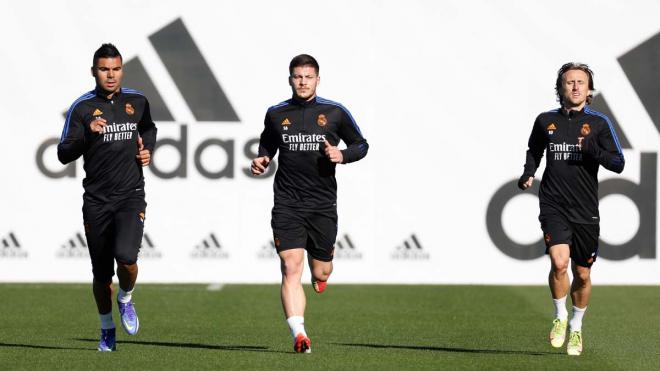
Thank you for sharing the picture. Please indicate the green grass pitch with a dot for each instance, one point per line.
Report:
(384, 327)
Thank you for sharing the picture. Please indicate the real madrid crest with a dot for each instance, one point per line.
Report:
(321, 120)
(129, 109)
(586, 129)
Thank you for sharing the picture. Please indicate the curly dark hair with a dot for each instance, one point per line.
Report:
(560, 76)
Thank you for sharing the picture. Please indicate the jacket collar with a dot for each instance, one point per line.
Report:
(572, 113)
(101, 94)
(302, 103)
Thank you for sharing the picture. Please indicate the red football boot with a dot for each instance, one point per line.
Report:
(302, 344)
(319, 286)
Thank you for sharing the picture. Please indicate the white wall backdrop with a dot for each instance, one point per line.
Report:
(445, 92)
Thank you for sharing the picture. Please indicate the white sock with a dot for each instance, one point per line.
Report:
(575, 323)
(124, 296)
(560, 308)
(106, 321)
(297, 325)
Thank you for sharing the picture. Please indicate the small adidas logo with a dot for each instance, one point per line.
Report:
(410, 250)
(209, 248)
(11, 248)
(267, 251)
(148, 249)
(75, 247)
(345, 249)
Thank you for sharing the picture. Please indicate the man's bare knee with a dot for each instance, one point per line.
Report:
(321, 270)
(559, 259)
(559, 267)
(291, 264)
(581, 276)
(321, 275)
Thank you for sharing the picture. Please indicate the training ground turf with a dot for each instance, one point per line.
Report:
(189, 327)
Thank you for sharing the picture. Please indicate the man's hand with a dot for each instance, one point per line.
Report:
(98, 125)
(259, 165)
(333, 153)
(589, 146)
(143, 156)
(525, 182)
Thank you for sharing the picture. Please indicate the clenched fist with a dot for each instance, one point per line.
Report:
(259, 165)
(333, 153)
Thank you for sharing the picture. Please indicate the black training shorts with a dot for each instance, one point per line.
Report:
(582, 238)
(313, 230)
(114, 232)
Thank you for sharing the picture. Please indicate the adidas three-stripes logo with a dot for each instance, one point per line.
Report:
(75, 247)
(11, 248)
(411, 249)
(190, 73)
(209, 248)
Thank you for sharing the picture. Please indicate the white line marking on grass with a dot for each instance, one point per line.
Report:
(215, 287)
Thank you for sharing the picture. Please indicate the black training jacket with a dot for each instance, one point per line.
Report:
(111, 169)
(576, 143)
(305, 178)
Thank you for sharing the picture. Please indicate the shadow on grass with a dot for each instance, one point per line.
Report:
(243, 348)
(449, 349)
(34, 346)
